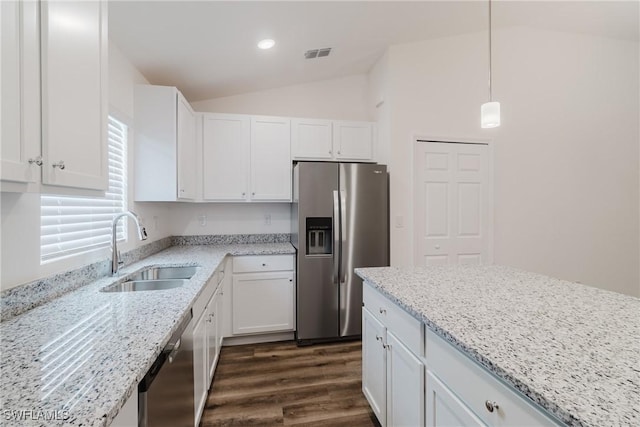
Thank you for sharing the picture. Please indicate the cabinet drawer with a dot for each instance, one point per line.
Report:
(474, 386)
(404, 326)
(259, 263)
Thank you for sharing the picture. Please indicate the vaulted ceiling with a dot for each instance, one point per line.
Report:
(208, 48)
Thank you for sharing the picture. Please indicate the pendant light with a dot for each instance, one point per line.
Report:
(490, 111)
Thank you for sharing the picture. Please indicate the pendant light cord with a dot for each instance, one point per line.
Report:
(490, 94)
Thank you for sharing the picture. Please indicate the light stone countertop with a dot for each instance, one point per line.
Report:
(86, 351)
(573, 349)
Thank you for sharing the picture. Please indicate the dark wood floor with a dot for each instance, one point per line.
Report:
(282, 384)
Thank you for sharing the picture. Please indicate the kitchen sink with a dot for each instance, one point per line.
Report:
(156, 273)
(145, 285)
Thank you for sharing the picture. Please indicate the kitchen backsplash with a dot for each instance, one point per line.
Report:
(22, 298)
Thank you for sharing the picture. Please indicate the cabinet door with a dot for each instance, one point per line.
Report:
(353, 140)
(213, 343)
(19, 92)
(444, 409)
(374, 374)
(405, 385)
(225, 168)
(262, 302)
(74, 93)
(311, 139)
(200, 383)
(270, 159)
(186, 144)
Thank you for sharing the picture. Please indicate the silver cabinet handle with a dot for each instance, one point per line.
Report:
(37, 161)
(60, 165)
(491, 406)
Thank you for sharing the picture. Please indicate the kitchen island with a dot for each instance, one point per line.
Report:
(570, 349)
(77, 359)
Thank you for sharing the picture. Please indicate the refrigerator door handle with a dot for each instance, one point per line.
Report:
(343, 233)
(336, 238)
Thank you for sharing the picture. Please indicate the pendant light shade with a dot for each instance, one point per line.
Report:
(490, 115)
(490, 111)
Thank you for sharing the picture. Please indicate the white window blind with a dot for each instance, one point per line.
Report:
(73, 225)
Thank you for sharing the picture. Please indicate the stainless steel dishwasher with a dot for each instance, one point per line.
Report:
(165, 394)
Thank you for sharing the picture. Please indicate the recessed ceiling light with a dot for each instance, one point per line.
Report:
(266, 44)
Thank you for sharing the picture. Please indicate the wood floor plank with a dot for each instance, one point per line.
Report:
(282, 384)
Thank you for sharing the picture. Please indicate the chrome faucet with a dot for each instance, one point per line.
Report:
(142, 235)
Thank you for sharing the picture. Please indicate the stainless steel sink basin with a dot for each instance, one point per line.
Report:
(145, 285)
(156, 273)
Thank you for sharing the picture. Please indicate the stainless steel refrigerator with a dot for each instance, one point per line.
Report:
(340, 221)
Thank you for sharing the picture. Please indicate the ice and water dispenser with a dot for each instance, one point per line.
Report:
(319, 232)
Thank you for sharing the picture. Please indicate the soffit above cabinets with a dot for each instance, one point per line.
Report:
(208, 48)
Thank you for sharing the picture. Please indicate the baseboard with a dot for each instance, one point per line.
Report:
(256, 339)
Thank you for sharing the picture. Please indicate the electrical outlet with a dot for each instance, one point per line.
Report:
(202, 219)
(267, 219)
(155, 222)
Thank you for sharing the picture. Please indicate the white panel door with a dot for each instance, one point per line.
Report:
(452, 204)
(262, 302)
(270, 159)
(374, 372)
(444, 409)
(226, 141)
(353, 140)
(19, 92)
(186, 143)
(311, 139)
(405, 385)
(74, 93)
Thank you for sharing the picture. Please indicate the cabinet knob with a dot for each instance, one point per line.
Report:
(383, 311)
(60, 165)
(338, 151)
(491, 406)
(253, 194)
(243, 194)
(330, 151)
(37, 161)
(378, 338)
(264, 264)
(437, 246)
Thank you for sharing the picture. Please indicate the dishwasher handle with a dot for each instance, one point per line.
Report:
(172, 349)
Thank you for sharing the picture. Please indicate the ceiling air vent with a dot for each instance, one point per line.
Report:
(317, 53)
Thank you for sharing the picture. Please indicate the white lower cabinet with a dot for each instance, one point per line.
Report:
(374, 359)
(263, 301)
(207, 339)
(444, 409)
(413, 377)
(200, 385)
(392, 375)
(405, 385)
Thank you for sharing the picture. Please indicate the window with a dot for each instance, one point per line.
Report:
(73, 225)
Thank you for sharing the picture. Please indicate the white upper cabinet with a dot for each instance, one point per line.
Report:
(331, 140)
(187, 144)
(165, 145)
(19, 92)
(353, 140)
(225, 140)
(74, 93)
(270, 159)
(54, 96)
(311, 139)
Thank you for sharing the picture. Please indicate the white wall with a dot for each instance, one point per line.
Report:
(344, 98)
(21, 212)
(230, 218)
(566, 155)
